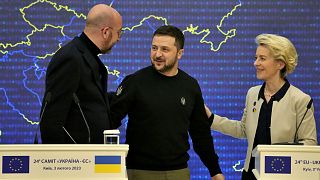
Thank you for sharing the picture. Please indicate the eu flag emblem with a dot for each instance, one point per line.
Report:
(15, 164)
(278, 164)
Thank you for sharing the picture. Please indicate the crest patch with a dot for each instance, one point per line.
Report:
(183, 101)
(119, 90)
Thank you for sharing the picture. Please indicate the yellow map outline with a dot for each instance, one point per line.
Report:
(191, 29)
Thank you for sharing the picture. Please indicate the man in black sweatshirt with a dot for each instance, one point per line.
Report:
(164, 104)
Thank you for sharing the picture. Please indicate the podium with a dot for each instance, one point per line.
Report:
(70, 161)
(286, 162)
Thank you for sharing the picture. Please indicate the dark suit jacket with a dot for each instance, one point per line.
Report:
(74, 69)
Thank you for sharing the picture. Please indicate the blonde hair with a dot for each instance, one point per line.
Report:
(281, 49)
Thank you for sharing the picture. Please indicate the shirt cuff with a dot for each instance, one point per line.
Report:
(215, 170)
(210, 119)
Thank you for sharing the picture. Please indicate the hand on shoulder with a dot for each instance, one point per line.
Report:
(218, 177)
(208, 112)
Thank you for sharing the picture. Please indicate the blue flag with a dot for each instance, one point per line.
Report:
(278, 164)
(15, 164)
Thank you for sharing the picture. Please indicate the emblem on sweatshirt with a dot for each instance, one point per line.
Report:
(119, 90)
(183, 101)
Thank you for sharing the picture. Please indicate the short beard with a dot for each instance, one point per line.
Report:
(165, 68)
(108, 51)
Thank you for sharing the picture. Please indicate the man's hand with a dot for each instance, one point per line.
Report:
(218, 177)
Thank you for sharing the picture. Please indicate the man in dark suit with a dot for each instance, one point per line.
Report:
(76, 70)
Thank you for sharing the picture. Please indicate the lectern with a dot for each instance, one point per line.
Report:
(287, 162)
(63, 162)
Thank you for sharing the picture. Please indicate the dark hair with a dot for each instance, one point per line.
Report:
(173, 32)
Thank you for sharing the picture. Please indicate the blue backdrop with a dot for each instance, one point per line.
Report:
(219, 52)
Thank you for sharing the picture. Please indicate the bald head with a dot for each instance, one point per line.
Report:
(102, 15)
(103, 27)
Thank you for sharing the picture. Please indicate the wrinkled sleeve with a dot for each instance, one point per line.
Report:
(201, 136)
(62, 79)
(234, 128)
(122, 101)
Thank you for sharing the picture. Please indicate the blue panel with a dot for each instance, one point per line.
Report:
(219, 53)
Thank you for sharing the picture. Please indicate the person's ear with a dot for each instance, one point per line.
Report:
(281, 65)
(180, 52)
(106, 32)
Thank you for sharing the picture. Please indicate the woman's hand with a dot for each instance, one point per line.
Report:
(209, 113)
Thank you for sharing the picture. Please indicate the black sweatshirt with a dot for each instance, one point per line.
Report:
(162, 110)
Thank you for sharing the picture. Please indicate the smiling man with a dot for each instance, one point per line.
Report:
(164, 104)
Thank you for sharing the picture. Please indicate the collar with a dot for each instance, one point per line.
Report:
(277, 96)
(164, 76)
(91, 46)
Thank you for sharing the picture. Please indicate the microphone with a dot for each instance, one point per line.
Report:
(69, 134)
(46, 101)
(77, 101)
(308, 107)
(295, 140)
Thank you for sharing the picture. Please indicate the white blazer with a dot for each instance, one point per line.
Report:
(285, 117)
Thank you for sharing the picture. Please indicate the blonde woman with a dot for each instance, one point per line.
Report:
(273, 110)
